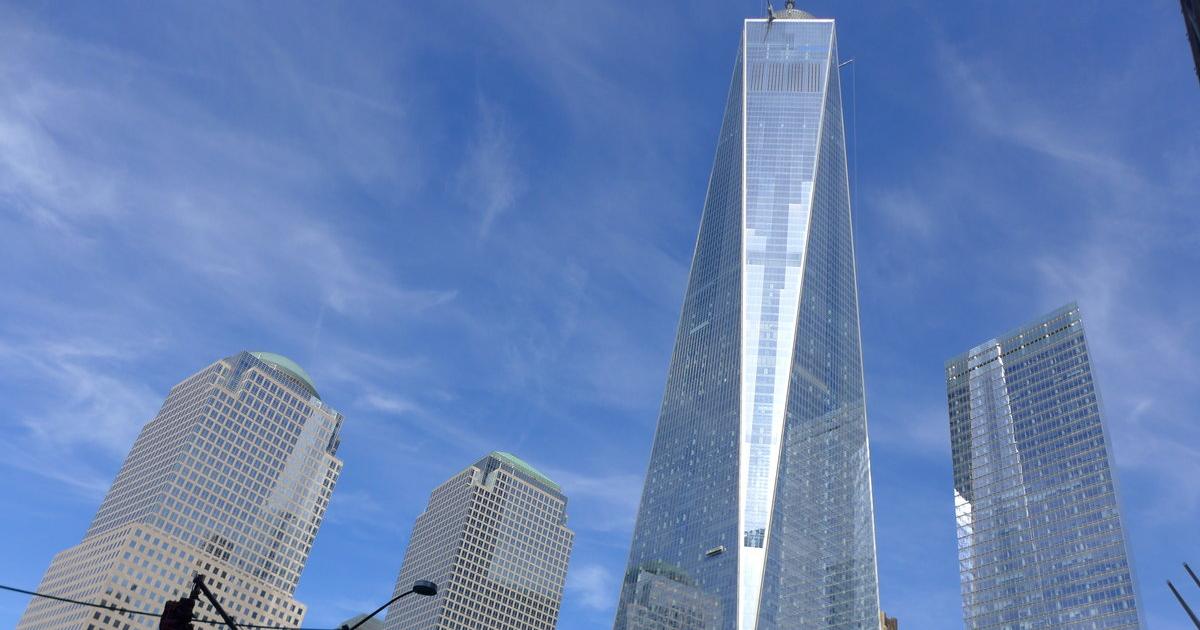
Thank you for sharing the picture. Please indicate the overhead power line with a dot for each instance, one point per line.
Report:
(79, 603)
(130, 611)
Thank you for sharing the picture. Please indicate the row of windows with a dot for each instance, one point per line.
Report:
(1039, 536)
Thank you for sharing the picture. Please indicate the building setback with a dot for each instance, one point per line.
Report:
(230, 479)
(757, 512)
(1040, 539)
(494, 539)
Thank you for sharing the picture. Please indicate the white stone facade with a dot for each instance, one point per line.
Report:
(231, 479)
(494, 538)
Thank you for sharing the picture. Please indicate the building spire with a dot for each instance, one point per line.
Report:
(789, 11)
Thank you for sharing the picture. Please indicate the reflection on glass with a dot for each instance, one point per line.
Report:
(757, 502)
(1040, 542)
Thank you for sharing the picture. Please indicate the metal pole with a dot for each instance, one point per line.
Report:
(1189, 570)
(1179, 597)
(198, 583)
(377, 610)
(420, 587)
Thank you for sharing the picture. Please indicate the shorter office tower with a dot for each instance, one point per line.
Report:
(494, 539)
(1040, 539)
(665, 597)
(888, 623)
(371, 624)
(230, 479)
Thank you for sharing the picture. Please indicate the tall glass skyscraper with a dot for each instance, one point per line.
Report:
(231, 479)
(1040, 541)
(756, 512)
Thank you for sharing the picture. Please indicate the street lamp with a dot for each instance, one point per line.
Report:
(420, 587)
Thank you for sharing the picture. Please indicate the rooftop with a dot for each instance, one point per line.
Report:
(289, 367)
(520, 464)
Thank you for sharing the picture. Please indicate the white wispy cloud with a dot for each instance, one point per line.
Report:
(592, 586)
(605, 502)
(1107, 260)
(1002, 108)
(89, 411)
(360, 511)
(137, 218)
(398, 423)
(223, 204)
(389, 404)
(491, 179)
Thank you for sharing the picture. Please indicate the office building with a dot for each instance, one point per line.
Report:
(374, 623)
(494, 539)
(230, 479)
(1191, 22)
(1040, 539)
(757, 503)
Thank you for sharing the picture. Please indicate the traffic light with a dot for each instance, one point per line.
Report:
(177, 615)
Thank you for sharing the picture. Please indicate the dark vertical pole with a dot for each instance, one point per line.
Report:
(1179, 597)
(1189, 570)
(198, 585)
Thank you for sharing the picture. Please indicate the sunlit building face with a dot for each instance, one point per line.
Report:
(757, 511)
(230, 479)
(494, 539)
(1040, 540)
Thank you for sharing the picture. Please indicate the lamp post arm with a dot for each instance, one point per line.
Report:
(378, 610)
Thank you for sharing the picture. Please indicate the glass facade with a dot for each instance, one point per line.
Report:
(231, 479)
(756, 511)
(1040, 541)
(494, 539)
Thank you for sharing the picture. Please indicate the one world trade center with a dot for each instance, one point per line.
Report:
(756, 512)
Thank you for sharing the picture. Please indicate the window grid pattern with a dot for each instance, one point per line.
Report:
(494, 539)
(756, 511)
(235, 472)
(689, 502)
(821, 569)
(1040, 539)
(141, 567)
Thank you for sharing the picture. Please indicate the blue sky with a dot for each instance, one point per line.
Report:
(472, 223)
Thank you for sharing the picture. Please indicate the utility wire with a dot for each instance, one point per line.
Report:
(79, 603)
(217, 622)
(131, 611)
